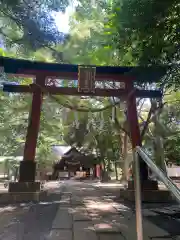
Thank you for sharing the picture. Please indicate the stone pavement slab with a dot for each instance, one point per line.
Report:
(60, 235)
(84, 230)
(80, 214)
(108, 228)
(63, 219)
(27, 221)
(84, 212)
(94, 214)
(76, 200)
(111, 236)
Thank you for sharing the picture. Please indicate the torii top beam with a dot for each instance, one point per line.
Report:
(140, 74)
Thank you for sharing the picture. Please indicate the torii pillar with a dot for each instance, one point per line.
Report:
(27, 170)
(135, 136)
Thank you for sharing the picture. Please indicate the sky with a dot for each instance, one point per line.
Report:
(62, 19)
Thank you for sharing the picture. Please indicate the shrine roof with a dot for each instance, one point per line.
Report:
(60, 150)
(138, 73)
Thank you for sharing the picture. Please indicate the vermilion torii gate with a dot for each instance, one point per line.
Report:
(41, 71)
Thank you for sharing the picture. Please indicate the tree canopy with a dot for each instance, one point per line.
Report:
(114, 33)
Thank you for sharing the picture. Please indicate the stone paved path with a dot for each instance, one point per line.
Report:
(29, 221)
(90, 213)
(86, 211)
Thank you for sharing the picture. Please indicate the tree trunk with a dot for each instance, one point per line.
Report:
(16, 174)
(104, 171)
(115, 168)
(159, 153)
(108, 167)
(158, 145)
(125, 164)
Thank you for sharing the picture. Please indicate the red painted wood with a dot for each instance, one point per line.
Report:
(34, 122)
(72, 76)
(132, 117)
(74, 91)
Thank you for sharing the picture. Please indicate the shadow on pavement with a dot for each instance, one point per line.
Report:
(27, 221)
(165, 217)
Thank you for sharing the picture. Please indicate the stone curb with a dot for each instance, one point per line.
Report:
(19, 197)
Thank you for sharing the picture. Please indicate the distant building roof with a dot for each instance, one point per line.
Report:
(60, 150)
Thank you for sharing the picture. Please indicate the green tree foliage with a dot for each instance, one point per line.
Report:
(29, 25)
(149, 25)
(95, 133)
(171, 119)
(88, 42)
(148, 32)
(15, 110)
(166, 127)
(121, 32)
